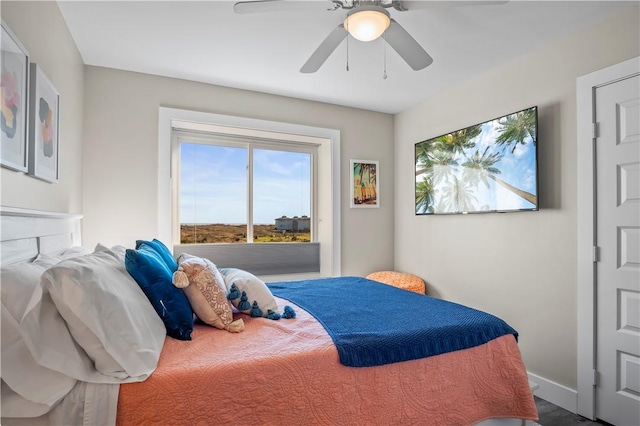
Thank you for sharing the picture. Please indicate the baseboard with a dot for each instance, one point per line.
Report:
(555, 393)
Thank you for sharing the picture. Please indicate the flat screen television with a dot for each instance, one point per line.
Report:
(488, 167)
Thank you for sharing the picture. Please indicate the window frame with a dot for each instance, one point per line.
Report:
(329, 171)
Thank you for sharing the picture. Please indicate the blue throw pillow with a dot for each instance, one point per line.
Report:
(153, 276)
(162, 250)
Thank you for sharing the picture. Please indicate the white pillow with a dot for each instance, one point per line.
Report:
(14, 405)
(72, 252)
(90, 320)
(255, 289)
(28, 388)
(40, 386)
(119, 251)
(19, 281)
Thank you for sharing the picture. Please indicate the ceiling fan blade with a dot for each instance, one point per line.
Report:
(417, 4)
(260, 6)
(325, 50)
(407, 47)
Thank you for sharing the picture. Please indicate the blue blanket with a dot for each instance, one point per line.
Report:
(374, 324)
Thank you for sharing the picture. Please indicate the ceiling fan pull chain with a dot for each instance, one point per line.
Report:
(384, 74)
(347, 53)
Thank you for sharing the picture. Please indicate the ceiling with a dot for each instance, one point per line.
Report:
(207, 41)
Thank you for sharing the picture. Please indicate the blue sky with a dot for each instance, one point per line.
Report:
(213, 184)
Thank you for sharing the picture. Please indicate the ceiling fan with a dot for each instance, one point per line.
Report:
(366, 20)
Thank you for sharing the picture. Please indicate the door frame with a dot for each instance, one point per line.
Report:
(586, 212)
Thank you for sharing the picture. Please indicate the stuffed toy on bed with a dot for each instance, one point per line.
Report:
(205, 288)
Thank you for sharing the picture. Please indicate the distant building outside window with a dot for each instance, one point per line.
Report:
(293, 224)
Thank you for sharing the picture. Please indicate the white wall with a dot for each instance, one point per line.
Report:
(519, 266)
(43, 32)
(120, 156)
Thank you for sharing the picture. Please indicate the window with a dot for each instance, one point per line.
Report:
(244, 191)
(262, 143)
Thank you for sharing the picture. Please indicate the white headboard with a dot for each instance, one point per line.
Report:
(25, 233)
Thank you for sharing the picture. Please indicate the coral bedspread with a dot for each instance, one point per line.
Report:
(288, 372)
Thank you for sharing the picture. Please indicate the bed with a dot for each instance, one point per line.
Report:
(286, 371)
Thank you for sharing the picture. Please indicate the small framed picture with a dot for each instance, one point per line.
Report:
(44, 115)
(365, 176)
(14, 80)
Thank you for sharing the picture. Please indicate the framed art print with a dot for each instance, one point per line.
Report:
(364, 177)
(44, 113)
(14, 84)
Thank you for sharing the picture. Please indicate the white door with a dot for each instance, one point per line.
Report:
(617, 171)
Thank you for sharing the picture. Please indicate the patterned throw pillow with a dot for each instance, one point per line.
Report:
(252, 296)
(204, 286)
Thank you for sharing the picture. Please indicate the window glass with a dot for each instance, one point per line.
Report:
(213, 194)
(281, 196)
(215, 197)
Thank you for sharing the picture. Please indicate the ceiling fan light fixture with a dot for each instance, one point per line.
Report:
(367, 23)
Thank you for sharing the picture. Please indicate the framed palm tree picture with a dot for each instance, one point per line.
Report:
(487, 167)
(364, 177)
